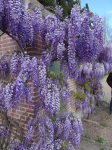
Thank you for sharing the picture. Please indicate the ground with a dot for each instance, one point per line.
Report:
(98, 134)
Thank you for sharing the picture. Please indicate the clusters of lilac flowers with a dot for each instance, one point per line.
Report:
(58, 12)
(3, 65)
(8, 95)
(50, 92)
(72, 128)
(106, 54)
(65, 95)
(73, 43)
(65, 68)
(26, 69)
(106, 66)
(20, 22)
(47, 57)
(92, 72)
(60, 49)
(4, 132)
(34, 72)
(15, 92)
(85, 106)
(1, 12)
(98, 91)
(15, 64)
(68, 128)
(42, 73)
(85, 69)
(99, 70)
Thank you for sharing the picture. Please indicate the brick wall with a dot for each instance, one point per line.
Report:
(72, 86)
(22, 115)
(6, 43)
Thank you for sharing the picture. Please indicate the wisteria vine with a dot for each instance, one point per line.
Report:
(82, 57)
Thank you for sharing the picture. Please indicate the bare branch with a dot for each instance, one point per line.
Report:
(7, 126)
(34, 53)
(15, 40)
(19, 128)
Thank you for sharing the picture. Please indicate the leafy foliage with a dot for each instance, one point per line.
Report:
(99, 139)
(78, 95)
(103, 124)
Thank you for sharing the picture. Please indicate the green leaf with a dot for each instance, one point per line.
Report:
(78, 95)
(48, 50)
(103, 124)
(46, 139)
(100, 140)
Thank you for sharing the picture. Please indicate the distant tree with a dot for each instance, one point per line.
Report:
(107, 30)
